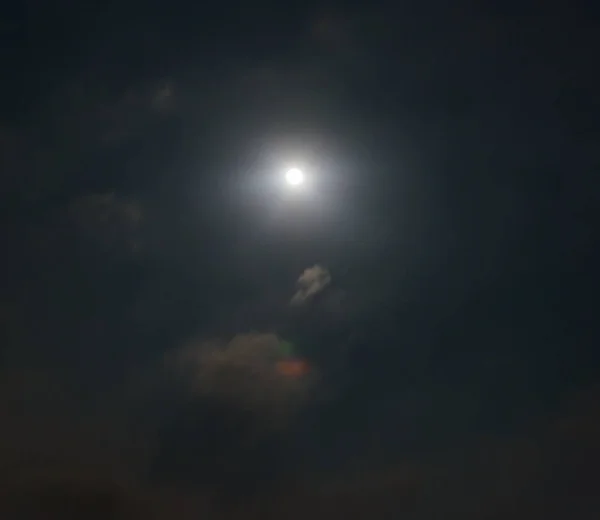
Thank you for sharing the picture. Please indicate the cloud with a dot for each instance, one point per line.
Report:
(108, 219)
(312, 281)
(242, 374)
(76, 127)
(333, 31)
(50, 433)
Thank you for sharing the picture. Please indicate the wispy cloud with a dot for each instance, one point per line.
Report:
(312, 281)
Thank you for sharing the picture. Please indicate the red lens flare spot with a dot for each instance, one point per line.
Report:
(295, 368)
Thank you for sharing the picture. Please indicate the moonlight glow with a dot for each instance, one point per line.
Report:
(294, 177)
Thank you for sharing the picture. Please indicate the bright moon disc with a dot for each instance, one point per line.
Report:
(294, 177)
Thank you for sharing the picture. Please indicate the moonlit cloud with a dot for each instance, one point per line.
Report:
(242, 374)
(311, 281)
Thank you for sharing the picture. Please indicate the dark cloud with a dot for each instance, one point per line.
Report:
(108, 219)
(225, 416)
(47, 433)
(331, 30)
(544, 473)
(82, 121)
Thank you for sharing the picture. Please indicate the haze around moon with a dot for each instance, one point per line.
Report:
(294, 177)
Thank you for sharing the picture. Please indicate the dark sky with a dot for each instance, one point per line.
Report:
(453, 155)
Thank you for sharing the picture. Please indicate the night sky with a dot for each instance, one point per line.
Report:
(434, 277)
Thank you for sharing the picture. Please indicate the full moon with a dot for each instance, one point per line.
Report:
(294, 177)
